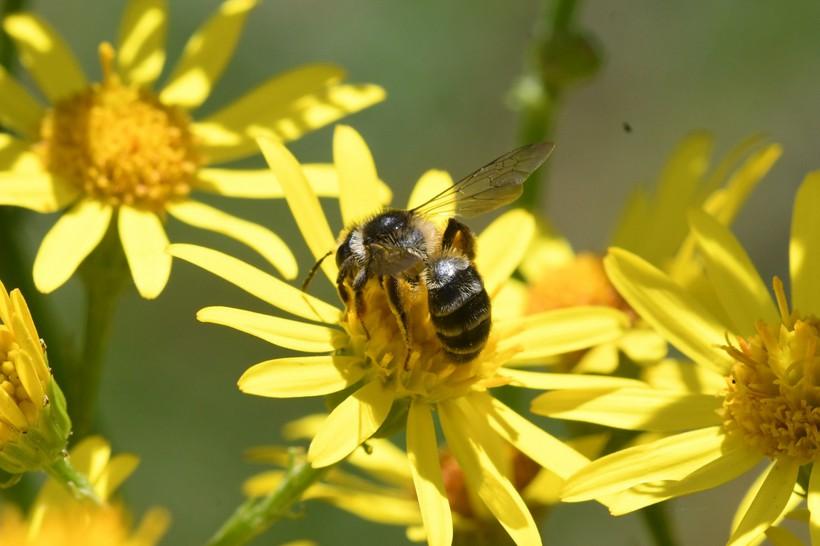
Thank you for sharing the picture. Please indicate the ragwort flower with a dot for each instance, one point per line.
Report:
(768, 406)
(370, 374)
(34, 424)
(58, 519)
(118, 149)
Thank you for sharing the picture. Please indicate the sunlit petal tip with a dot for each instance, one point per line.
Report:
(804, 246)
(141, 49)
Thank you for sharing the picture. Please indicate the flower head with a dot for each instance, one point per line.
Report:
(118, 151)
(34, 425)
(765, 408)
(381, 381)
(58, 519)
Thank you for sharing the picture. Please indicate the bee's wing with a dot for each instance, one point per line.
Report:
(492, 186)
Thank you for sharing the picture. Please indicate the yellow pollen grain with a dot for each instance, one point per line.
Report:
(119, 143)
(773, 391)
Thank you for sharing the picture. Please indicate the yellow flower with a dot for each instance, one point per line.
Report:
(652, 226)
(767, 406)
(34, 424)
(118, 148)
(382, 478)
(57, 519)
(377, 378)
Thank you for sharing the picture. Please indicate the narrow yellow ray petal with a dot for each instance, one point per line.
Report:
(284, 108)
(141, 50)
(28, 377)
(630, 229)
(554, 381)
(360, 190)
(483, 476)
(732, 463)
(780, 536)
(791, 510)
(350, 424)
(561, 331)
(18, 110)
(430, 184)
(16, 154)
(375, 507)
(804, 247)
(45, 55)
(262, 184)
(152, 527)
(510, 301)
(670, 458)
(737, 283)
(535, 443)
(90, 456)
(498, 252)
(384, 461)
(422, 450)
(10, 411)
(633, 409)
(37, 191)
(299, 376)
(205, 55)
(114, 474)
(258, 283)
(813, 503)
(290, 334)
(548, 250)
(668, 309)
(269, 245)
(146, 249)
(303, 203)
(768, 504)
(643, 346)
(27, 335)
(684, 376)
(68, 242)
(5, 304)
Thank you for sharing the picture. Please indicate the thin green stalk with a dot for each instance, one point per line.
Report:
(74, 481)
(656, 518)
(254, 516)
(105, 276)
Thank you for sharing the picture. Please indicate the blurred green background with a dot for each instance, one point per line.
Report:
(733, 67)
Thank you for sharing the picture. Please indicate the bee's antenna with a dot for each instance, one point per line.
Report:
(313, 270)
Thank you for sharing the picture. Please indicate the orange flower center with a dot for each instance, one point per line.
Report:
(119, 143)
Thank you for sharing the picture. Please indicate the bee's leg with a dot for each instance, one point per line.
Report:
(459, 236)
(358, 298)
(391, 289)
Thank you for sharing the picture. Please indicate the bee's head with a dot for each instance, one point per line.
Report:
(391, 242)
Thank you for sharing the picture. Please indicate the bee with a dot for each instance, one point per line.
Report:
(404, 246)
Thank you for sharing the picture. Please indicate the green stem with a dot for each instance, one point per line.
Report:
(254, 516)
(74, 481)
(656, 518)
(105, 275)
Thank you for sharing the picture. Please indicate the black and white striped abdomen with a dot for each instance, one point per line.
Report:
(459, 306)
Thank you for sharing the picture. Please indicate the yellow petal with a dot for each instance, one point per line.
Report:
(668, 309)
(384, 461)
(561, 331)
(290, 334)
(303, 203)
(258, 283)
(146, 248)
(780, 536)
(547, 251)
(90, 456)
(283, 108)
(813, 503)
(483, 477)
(10, 411)
(643, 346)
(115, 473)
(633, 409)
(430, 184)
(538, 445)
(28, 377)
(350, 424)
(141, 51)
(18, 110)
(422, 450)
(45, 55)
(603, 359)
(804, 248)
(16, 154)
(301, 376)
(259, 238)
(389, 509)
(671, 458)
(360, 190)
(26, 334)
(498, 253)
(205, 55)
(737, 284)
(68, 242)
(768, 504)
(684, 376)
(552, 381)
(731, 464)
(262, 184)
(510, 302)
(630, 229)
(37, 191)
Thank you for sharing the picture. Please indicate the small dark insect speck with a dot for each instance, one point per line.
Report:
(627, 127)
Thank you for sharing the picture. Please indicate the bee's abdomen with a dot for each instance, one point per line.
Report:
(459, 306)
